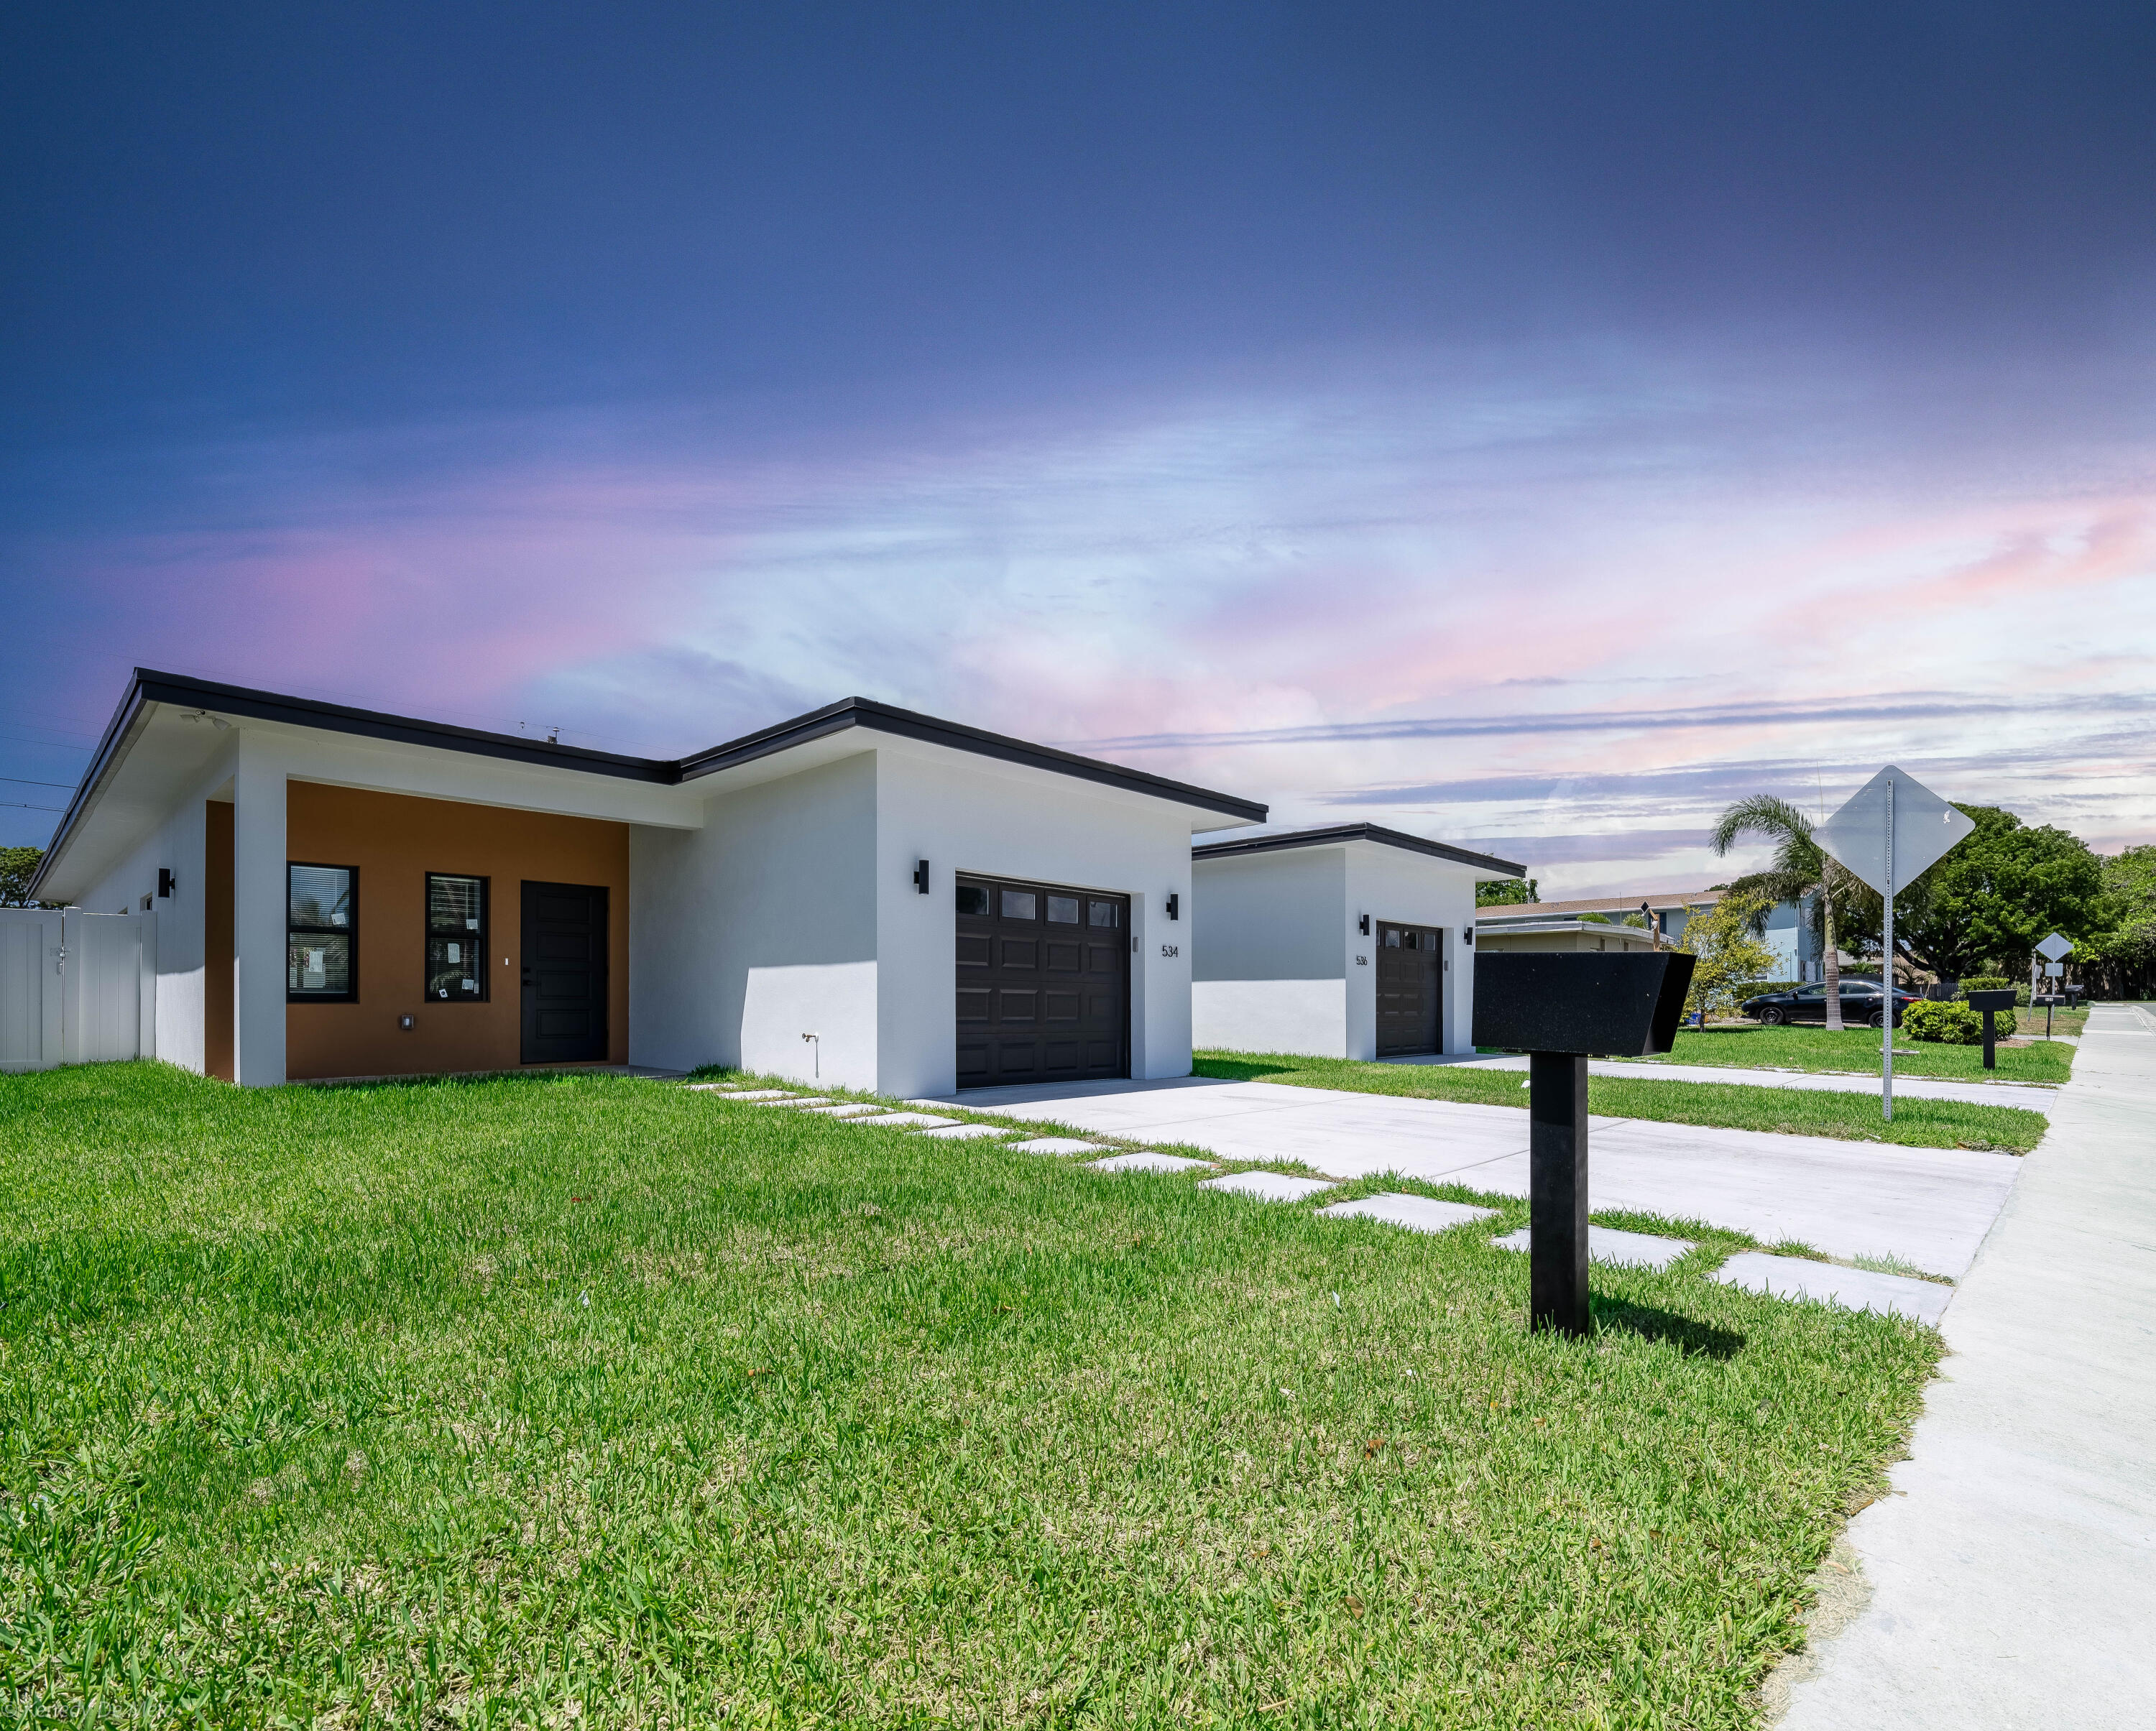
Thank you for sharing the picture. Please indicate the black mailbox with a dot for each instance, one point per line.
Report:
(1990, 1003)
(1599, 1005)
(1561, 1009)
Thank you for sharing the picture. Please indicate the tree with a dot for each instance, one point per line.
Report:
(1505, 891)
(1724, 937)
(1987, 903)
(18, 866)
(2121, 958)
(1801, 869)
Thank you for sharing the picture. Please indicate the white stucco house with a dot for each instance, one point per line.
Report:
(1350, 941)
(862, 895)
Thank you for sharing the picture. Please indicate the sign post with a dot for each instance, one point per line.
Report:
(1893, 831)
(2053, 950)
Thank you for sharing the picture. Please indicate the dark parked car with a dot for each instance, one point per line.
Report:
(1862, 1003)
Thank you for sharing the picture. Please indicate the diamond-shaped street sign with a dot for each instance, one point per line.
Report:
(2054, 948)
(1925, 827)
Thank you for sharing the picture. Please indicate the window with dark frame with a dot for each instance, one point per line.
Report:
(321, 933)
(456, 939)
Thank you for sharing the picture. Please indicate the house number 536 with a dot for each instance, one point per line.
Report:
(1171, 950)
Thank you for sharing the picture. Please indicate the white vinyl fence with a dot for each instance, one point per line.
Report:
(76, 988)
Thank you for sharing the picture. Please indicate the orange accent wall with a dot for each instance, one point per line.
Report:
(395, 840)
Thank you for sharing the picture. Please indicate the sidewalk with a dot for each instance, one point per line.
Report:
(2013, 1572)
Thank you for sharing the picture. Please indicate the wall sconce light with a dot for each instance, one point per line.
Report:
(921, 876)
(166, 882)
(1174, 906)
(1362, 925)
(1468, 937)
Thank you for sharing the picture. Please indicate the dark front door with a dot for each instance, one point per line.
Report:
(1410, 988)
(565, 973)
(1043, 983)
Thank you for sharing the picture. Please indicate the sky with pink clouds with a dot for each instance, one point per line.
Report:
(1527, 431)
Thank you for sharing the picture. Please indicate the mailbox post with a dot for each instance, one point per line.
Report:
(1990, 1003)
(1560, 1010)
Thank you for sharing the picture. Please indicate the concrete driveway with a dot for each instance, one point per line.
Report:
(2028, 1096)
(1928, 1207)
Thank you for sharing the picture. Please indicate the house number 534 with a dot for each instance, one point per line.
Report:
(1171, 950)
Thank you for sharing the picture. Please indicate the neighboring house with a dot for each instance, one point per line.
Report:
(1524, 925)
(1352, 941)
(1567, 935)
(862, 895)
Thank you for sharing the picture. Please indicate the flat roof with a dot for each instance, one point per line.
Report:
(1603, 928)
(1658, 901)
(1337, 835)
(148, 686)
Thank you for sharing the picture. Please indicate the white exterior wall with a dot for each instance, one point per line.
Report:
(973, 814)
(1268, 972)
(758, 928)
(1388, 882)
(178, 844)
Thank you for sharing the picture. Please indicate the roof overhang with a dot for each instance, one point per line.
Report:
(147, 750)
(1341, 835)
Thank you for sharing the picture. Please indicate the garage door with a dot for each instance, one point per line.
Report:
(1410, 986)
(1043, 983)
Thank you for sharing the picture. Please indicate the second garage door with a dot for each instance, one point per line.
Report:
(1043, 983)
(1410, 986)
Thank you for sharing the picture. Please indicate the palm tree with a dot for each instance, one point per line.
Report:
(1801, 867)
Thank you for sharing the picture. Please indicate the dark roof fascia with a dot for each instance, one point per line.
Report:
(1341, 833)
(126, 721)
(398, 729)
(908, 724)
(148, 686)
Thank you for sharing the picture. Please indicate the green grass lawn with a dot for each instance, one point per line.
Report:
(597, 1402)
(1857, 1050)
(1854, 1117)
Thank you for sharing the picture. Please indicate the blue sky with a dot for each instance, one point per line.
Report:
(1529, 426)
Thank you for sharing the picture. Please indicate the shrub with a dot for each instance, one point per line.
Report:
(1953, 1024)
(1988, 982)
(1947, 1024)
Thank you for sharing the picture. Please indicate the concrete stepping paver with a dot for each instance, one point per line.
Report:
(762, 1093)
(1798, 1277)
(1144, 1159)
(852, 1108)
(813, 1099)
(906, 1120)
(1607, 1244)
(711, 1087)
(966, 1132)
(1418, 1214)
(1057, 1145)
(1270, 1186)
